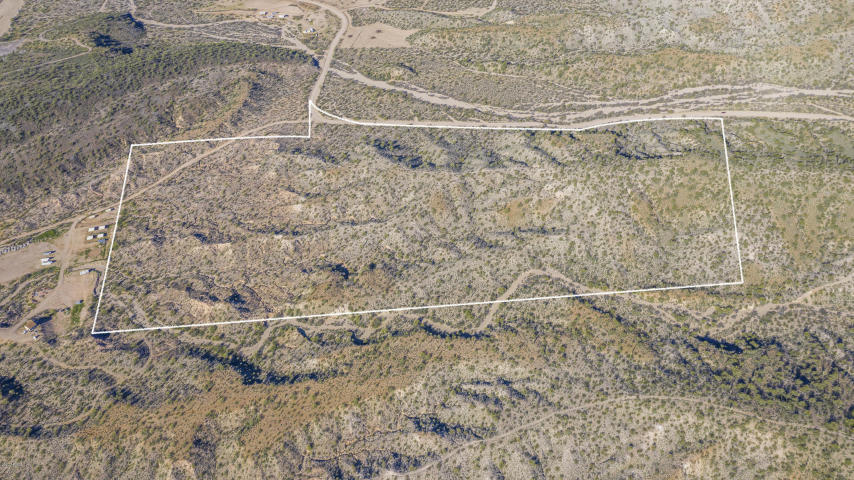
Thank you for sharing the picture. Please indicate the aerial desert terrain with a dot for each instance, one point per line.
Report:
(423, 239)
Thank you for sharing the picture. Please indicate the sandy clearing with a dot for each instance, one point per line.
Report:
(8, 11)
(26, 260)
(279, 6)
(74, 287)
(376, 35)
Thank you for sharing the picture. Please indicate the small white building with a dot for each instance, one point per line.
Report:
(99, 227)
(86, 270)
(262, 13)
(309, 30)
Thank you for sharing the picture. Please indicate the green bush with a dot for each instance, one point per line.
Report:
(47, 235)
(75, 314)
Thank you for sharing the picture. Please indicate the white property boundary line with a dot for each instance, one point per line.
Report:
(311, 106)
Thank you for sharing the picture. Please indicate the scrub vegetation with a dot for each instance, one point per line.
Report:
(749, 380)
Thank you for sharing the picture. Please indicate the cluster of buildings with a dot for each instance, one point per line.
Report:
(33, 324)
(30, 327)
(272, 15)
(307, 31)
(48, 257)
(100, 236)
(13, 248)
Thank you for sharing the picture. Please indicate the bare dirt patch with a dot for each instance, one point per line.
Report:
(8, 11)
(22, 262)
(75, 287)
(376, 35)
(280, 6)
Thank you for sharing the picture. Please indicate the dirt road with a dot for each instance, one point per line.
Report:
(330, 51)
(583, 122)
(58, 60)
(605, 111)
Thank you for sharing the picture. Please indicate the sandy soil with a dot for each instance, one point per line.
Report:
(287, 7)
(8, 10)
(376, 35)
(280, 6)
(75, 287)
(27, 260)
(71, 286)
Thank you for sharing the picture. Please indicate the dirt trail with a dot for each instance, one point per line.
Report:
(120, 377)
(62, 423)
(552, 273)
(17, 289)
(58, 60)
(283, 33)
(100, 208)
(421, 94)
(201, 156)
(804, 298)
(528, 425)
(148, 21)
(11, 334)
(276, 324)
(584, 117)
